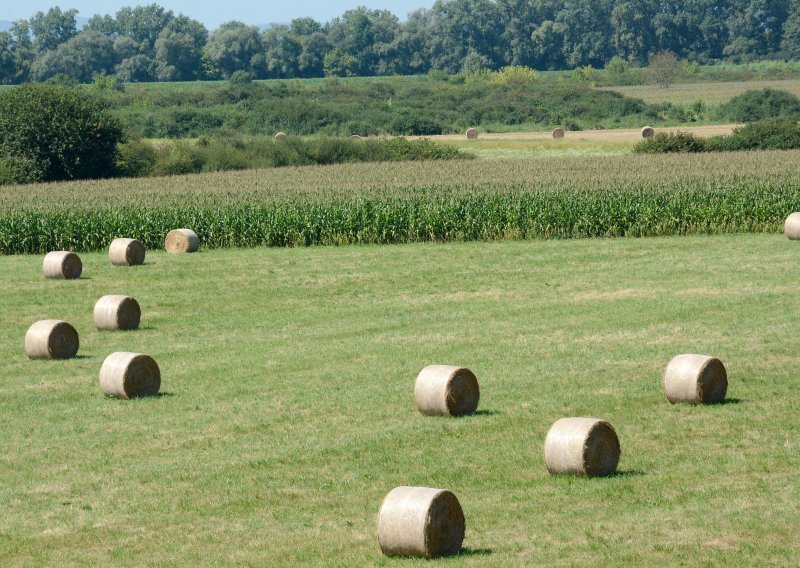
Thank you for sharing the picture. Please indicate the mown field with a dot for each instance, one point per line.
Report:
(709, 93)
(287, 410)
(411, 202)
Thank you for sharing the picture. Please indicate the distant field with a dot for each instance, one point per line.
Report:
(708, 93)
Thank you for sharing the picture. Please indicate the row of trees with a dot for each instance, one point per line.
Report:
(149, 43)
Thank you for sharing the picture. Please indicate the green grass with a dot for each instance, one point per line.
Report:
(288, 412)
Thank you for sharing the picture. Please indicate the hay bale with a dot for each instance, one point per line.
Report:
(472, 134)
(117, 312)
(355, 136)
(791, 227)
(129, 375)
(445, 390)
(126, 252)
(696, 379)
(558, 133)
(280, 136)
(62, 264)
(420, 521)
(181, 240)
(51, 339)
(581, 446)
(648, 132)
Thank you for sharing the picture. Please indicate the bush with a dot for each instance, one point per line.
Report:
(759, 105)
(772, 134)
(136, 158)
(664, 142)
(60, 132)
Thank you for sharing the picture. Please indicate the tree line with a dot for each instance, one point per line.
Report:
(150, 43)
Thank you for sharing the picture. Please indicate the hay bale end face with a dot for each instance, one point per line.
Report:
(581, 446)
(181, 240)
(696, 379)
(558, 133)
(280, 136)
(446, 390)
(126, 252)
(129, 375)
(472, 134)
(648, 132)
(791, 227)
(420, 521)
(62, 264)
(117, 312)
(51, 339)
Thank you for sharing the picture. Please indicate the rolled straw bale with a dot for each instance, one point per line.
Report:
(62, 264)
(126, 252)
(791, 227)
(280, 136)
(420, 521)
(117, 312)
(355, 136)
(696, 379)
(51, 339)
(181, 240)
(558, 133)
(648, 132)
(472, 133)
(129, 375)
(581, 446)
(445, 390)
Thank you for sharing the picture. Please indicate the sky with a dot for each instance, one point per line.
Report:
(212, 14)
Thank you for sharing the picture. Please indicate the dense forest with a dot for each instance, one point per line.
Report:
(150, 43)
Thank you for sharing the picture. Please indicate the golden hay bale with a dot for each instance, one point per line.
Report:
(62, 264)
(280, 136)
(181, 240)
(648, 132)
(117, 312)
(51, 339)
(129, 375)
(355, 136)
(472, 134)
(445, 390)
(126, 252)
(558, 133)
(696, 379)
(581, 446)
(791, 227)
(420, 521)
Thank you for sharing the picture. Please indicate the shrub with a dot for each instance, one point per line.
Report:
(664, 142)
(761, 104)
(771, 134)
(136, 158)
(60, 132)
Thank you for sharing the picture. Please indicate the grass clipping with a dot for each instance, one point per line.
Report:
(51, 339)
(129, 375)
(446, 390)
(581, 446)
(62, 264)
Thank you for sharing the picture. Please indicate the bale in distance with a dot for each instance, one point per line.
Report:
(791, 227)
(648, 132)
(420, 521)
(62, 264)
(355, 136)
(280, 136)
(51, 339)
(446, 390)
(696, 379)
(581, 446)
(558, 133)
(472, 134)
(117, 312)
(126, 252)
(129, 375)
(181, 240)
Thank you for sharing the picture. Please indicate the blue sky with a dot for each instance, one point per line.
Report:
(212, 14)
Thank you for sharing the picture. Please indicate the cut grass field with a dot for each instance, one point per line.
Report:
(287, 410)
(712, 93)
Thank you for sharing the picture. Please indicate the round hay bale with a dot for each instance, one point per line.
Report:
(648, 132)
(280, 136)
(51, 339)
(117, 312)
(355, 136)
(126, 252)
(420, 521)
(445, 390)
(558, 133)
(791, 227)
(181, 240)
(696, 379)
(581, 446)
(472, 134)
(62, 264)
(129, 375)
